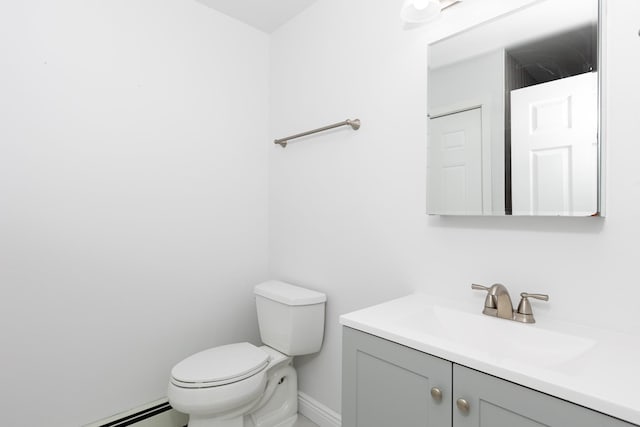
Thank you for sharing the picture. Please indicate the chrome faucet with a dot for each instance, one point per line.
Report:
(498, 303)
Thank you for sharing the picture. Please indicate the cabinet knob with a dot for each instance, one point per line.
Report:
(463, 406)
(436, 394)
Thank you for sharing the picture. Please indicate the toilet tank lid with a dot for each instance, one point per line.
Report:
(288, 294)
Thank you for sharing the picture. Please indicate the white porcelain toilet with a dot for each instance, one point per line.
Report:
(241, 385)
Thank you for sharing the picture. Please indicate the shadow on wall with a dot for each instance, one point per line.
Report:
(583, 225)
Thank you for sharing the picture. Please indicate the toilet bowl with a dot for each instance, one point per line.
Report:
(242, 385)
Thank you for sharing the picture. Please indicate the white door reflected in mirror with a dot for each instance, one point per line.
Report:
(454, 163)
(554, 147)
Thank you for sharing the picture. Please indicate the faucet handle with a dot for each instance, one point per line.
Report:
(542, 297)
(490, 301)
(525, 312)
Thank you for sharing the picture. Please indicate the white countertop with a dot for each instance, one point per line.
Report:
(595, 368)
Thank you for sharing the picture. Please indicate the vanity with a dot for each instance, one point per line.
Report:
(427, 361)
(515, 128)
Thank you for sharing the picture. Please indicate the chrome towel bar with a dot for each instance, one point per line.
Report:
(355, 125)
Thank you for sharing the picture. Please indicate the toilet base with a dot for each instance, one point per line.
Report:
(277, 407)
(280, 408)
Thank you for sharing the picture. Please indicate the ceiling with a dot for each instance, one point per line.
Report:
(265, 15)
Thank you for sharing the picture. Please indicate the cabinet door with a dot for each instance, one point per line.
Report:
(385, 384)
(498, 403)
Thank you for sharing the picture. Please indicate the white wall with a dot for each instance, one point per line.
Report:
(347, 208)
(133, 198)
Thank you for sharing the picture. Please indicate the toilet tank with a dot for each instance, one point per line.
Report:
(291, 318)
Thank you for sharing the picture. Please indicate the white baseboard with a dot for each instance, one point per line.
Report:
(307, 406)
(317, 412)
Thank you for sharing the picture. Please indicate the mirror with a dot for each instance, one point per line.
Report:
(514, 114)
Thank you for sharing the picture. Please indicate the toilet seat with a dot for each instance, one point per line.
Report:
(219, 366)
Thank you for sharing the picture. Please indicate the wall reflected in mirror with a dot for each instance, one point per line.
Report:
(514, 114)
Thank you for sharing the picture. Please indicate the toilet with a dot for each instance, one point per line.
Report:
(242, 385)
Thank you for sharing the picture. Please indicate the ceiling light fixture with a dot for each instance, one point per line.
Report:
(421, 11)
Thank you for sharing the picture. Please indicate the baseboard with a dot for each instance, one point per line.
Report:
(160, 414)
(317, 412)
(154, 414)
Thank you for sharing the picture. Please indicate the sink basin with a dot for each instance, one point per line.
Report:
(502, 340)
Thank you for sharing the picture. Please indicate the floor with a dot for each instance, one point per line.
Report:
(304, 422)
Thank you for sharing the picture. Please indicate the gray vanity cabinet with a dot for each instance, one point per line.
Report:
(385, 384)
(498, 403)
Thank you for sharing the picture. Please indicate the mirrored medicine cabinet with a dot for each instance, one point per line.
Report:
(514, 114)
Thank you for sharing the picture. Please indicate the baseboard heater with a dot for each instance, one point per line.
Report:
(156, 414)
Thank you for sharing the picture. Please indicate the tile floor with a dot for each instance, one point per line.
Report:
(304, 422)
